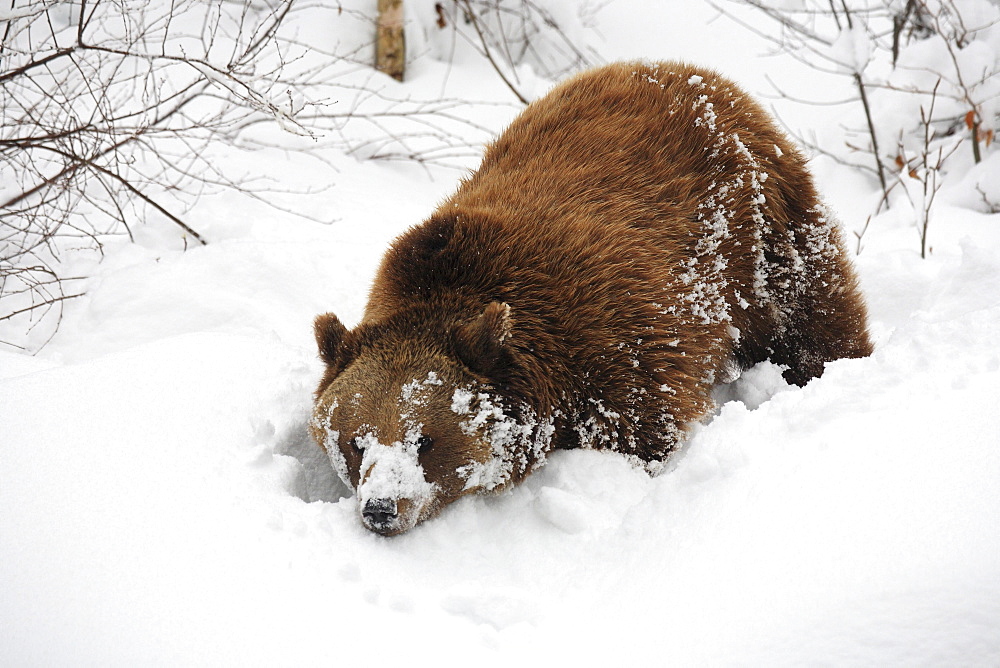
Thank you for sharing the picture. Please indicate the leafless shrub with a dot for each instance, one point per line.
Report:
(915, 69)
(112, 113)
(920, 175)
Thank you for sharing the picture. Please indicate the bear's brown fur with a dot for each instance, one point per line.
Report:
(635, 236)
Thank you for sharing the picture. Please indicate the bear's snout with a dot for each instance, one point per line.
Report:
(380, 515)
(394, 490)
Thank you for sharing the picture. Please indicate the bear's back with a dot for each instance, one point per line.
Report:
(600, 194)
(621, 143)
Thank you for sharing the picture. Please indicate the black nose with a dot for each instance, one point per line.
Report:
(379, 513)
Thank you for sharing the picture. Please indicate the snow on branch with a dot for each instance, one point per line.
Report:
(926, 76)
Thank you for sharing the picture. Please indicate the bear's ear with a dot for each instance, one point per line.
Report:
(330, 334)
(481, 342)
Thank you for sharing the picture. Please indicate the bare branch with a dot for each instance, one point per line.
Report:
(471, 16)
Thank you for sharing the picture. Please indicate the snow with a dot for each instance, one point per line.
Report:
(515, 445)
(393, 471)
(164, 504)
(852, 50)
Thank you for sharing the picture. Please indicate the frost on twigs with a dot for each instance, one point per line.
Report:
(242, 90)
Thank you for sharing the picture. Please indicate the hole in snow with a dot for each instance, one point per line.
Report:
(754, 387)
(321, 482)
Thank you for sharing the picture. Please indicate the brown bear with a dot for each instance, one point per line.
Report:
(642, 232)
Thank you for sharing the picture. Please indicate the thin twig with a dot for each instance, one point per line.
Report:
(486, 51)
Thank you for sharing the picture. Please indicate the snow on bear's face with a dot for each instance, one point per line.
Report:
(398, 444)
(413, 430)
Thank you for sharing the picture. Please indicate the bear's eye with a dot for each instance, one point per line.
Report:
(356, 446)
(424, 443)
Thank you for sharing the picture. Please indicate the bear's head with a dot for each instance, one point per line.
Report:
(412, 418)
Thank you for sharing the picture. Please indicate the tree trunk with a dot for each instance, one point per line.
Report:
(390, 43)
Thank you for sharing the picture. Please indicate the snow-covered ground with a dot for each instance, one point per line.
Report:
(161, 502)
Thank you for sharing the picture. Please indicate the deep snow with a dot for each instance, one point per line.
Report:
(162, 502)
